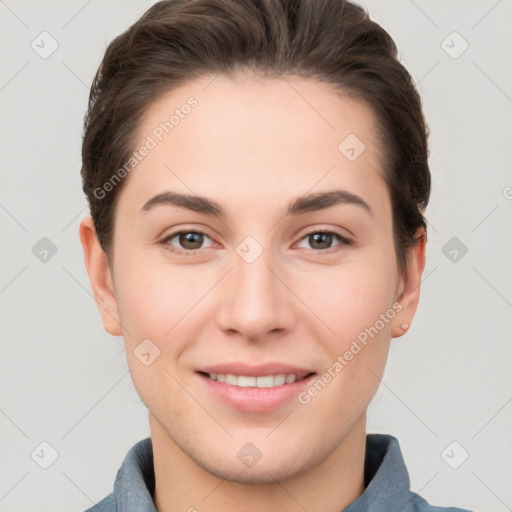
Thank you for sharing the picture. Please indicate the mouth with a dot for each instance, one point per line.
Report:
(251, 381)
(255, 388)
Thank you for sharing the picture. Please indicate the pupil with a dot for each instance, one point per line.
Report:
(195, 239)
(191, 238)
(317, 237)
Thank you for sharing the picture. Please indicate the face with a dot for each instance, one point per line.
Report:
(225, 301)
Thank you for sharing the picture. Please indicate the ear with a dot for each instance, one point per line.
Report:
(100, 277)
(409, 288)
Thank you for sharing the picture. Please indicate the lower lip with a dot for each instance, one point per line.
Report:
(252, 399)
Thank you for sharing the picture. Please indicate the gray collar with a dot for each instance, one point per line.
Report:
(386, 481)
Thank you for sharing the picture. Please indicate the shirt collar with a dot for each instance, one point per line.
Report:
(386, 478)
(135, 481)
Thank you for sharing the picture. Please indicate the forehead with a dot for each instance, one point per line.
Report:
(257, 138)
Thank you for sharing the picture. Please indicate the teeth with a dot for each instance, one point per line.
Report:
(265, 382)
(280, 379)
(245, 381)
(232, 379)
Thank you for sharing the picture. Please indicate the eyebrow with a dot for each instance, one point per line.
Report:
(299, 205)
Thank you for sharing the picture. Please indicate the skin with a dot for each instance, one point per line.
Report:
(253, 145)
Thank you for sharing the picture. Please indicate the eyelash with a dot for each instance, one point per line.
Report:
(192, 252)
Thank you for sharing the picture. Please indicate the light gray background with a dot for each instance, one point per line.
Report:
(65, 381)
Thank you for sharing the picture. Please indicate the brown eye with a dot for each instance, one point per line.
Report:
(320, 240)
(191, 240)
(323, 240)
(186, 241)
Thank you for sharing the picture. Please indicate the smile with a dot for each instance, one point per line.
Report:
(247, 381)
(255, 389)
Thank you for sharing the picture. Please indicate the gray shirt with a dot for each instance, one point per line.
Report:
(387, 485)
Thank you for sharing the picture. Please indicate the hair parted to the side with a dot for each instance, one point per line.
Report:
(331, 41)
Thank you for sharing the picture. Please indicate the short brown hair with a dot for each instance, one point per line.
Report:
(332, 41)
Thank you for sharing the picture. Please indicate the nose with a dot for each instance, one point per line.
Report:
(256, 300)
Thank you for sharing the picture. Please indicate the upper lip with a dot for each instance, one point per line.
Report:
(272, 368)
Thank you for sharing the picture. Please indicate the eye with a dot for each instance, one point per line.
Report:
(322, 240)
(189, 241)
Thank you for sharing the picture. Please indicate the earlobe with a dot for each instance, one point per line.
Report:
(410, 294)
(100, 277)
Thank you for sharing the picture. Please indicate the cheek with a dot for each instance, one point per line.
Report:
(357, 305)
(359, 309)
(154, 298)
(156, 302)
(351, 297)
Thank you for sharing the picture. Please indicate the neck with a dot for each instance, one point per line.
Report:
(182, 485)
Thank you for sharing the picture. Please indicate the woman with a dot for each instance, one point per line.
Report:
(257, 176)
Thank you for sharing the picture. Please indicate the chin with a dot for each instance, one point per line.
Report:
(262, 473)
(274, 464)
